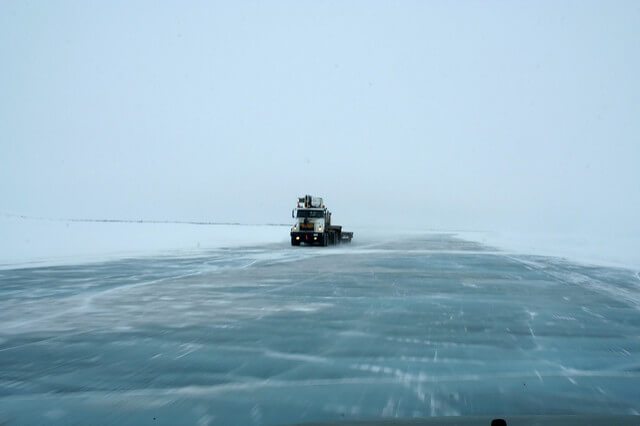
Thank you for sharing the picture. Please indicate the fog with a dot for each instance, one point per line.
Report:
(467, 115)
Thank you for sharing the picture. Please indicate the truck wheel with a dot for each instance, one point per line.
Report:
(295, 242)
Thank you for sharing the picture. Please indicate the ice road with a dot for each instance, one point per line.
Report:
(270, 334)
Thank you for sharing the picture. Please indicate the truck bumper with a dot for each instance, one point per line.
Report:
(306, 237)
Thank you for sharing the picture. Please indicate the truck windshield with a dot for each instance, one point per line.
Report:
(310, 213)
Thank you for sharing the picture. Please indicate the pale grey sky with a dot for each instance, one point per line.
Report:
(457, 114)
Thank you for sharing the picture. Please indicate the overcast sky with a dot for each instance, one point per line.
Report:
(459, 114)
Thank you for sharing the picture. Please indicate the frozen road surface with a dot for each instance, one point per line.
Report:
(431, 326)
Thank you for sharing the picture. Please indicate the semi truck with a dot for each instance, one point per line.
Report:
(313, 224)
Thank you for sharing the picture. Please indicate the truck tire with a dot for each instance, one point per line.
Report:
(295, 242)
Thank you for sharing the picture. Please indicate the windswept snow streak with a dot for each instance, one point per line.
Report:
(275, 335)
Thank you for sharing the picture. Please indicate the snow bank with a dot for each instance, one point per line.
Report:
(30, 242)
(27, 242)
(596, 249)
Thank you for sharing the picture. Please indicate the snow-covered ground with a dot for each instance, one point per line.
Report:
(49, 242)
(39, 242)
(618, 250)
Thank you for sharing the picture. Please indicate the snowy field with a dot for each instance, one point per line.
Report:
(29, 242)
(269, 334)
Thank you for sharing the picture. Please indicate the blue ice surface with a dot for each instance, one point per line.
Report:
(431, 326)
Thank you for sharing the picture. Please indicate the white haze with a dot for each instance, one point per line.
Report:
(507, 117)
